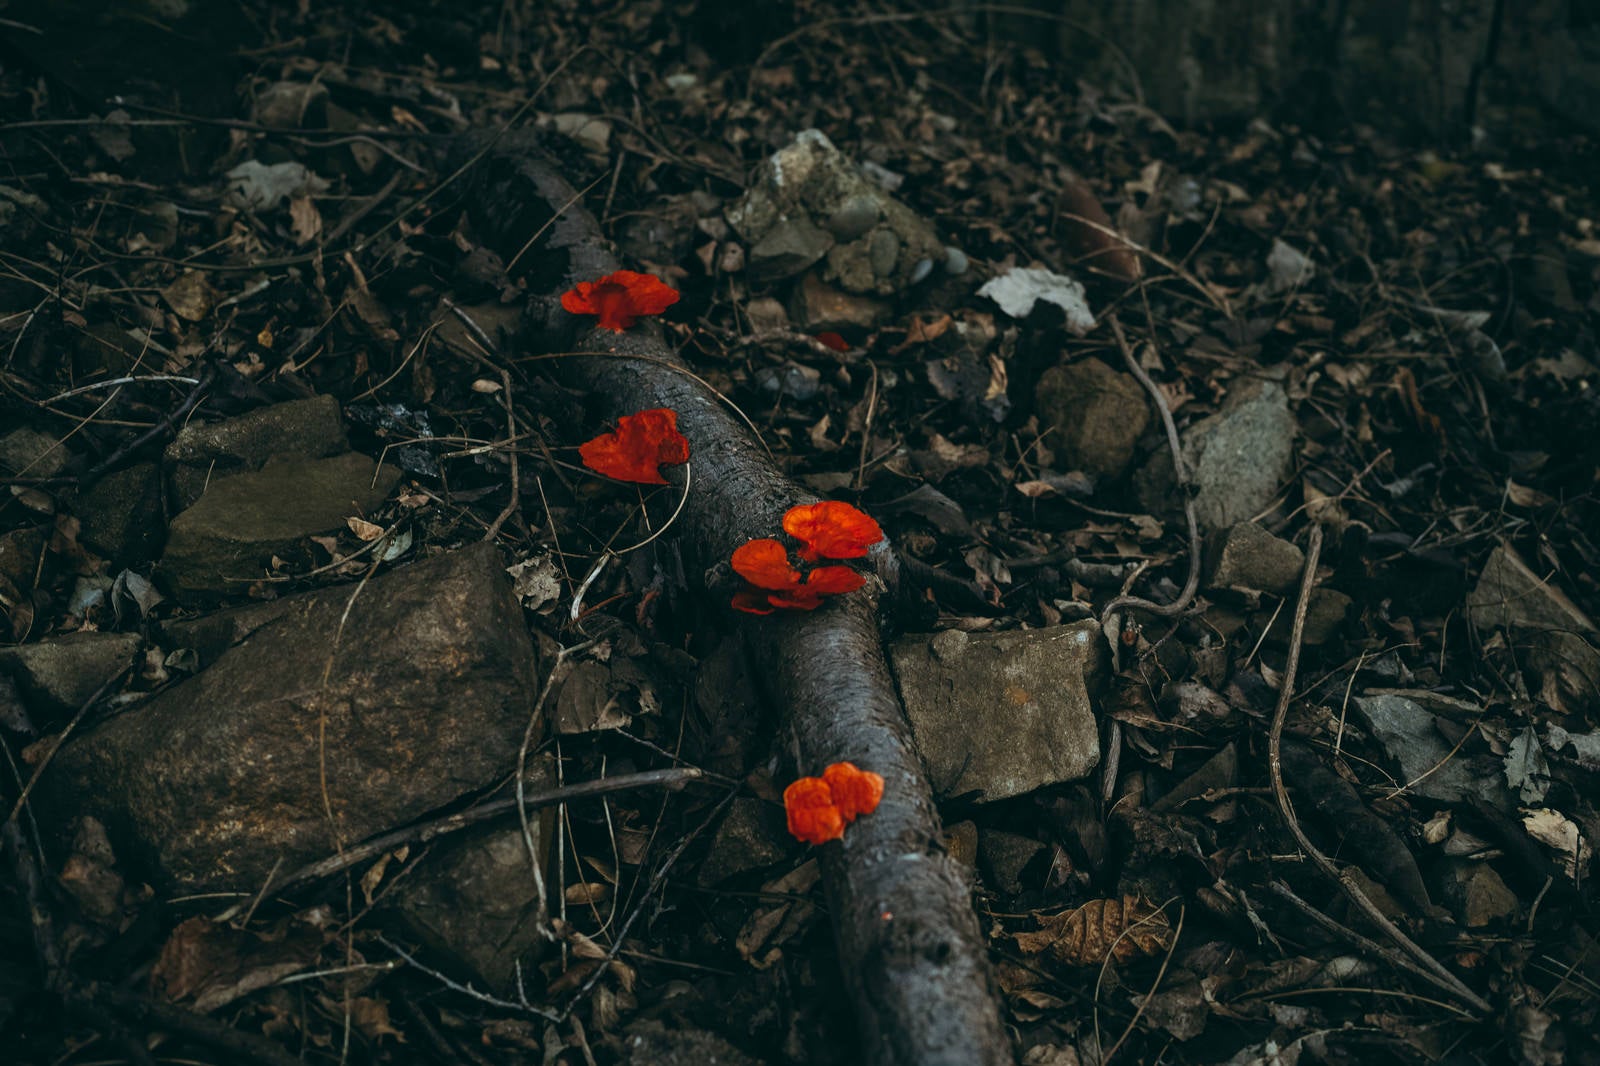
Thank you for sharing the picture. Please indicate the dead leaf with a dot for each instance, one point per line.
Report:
(1084, 936)
(367, 531)
(1560, 834)
(305, 221)
(371, 1016)
(771, 926)
(190, 296)
(214, 964)
(1089, 236)
(587, 893)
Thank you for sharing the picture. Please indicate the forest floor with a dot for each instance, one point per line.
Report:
(1397, 343)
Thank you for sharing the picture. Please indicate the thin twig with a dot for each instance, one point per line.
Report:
(1364, 943)
(516, 482)
(655, 882)
(466, 990)
(424, 832)
(113, 382)
(1440, 977)
(535, 719)
(1181, 471)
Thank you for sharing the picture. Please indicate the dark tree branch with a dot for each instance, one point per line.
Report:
(912, 954)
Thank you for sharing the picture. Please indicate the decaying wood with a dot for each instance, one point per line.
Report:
(910, 949)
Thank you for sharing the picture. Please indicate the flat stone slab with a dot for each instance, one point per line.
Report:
(1423, 757)
(419, 696)
(473, 900)
(1003, 714)
(56, 676)
(226, 539)
(204, 452)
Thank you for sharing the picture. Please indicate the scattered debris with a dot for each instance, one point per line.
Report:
(808, 202)
(1020, 288)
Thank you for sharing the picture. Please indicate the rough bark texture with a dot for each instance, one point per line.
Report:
(909, 944)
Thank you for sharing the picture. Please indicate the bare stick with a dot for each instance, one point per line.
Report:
(1364, 943)
(425, 831)
(1441, 977)
(1181, 470)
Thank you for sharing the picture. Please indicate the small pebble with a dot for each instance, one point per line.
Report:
(956, 262)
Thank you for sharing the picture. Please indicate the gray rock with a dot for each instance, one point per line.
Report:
(220, 778)
(56, 676)
(1098, 415)
(1326, 611)
(787, 249)
(225, 540)
(883, 250)
(807, 194)
(1556, 642)
(956, 262)
(29, 453)
(1238, 457)
(1475, 893)
(473, 900)
(202, 453)
(122, 515)
(747, 839)
(1246, 556)
(1002, 714)
(1004, 855)
(1423, 758)
(817, 306)
(853, 218)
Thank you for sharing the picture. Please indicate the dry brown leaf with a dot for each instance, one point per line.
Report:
(1084, 936)
(1089, 236)
(367, 531)
(215, 964)
(305, 221)
(769, 927)
(191, 296)
(372, 1018)
(586, 893)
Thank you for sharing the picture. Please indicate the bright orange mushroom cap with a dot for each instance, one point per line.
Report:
(831, 529)
(765, 564)
(636, 450)
(855, 792)
(819, 808)
(620, 298)
(808, 803)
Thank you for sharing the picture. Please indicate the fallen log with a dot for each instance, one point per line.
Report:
(912, 957)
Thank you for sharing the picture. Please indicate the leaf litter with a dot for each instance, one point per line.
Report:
(1441, 376)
